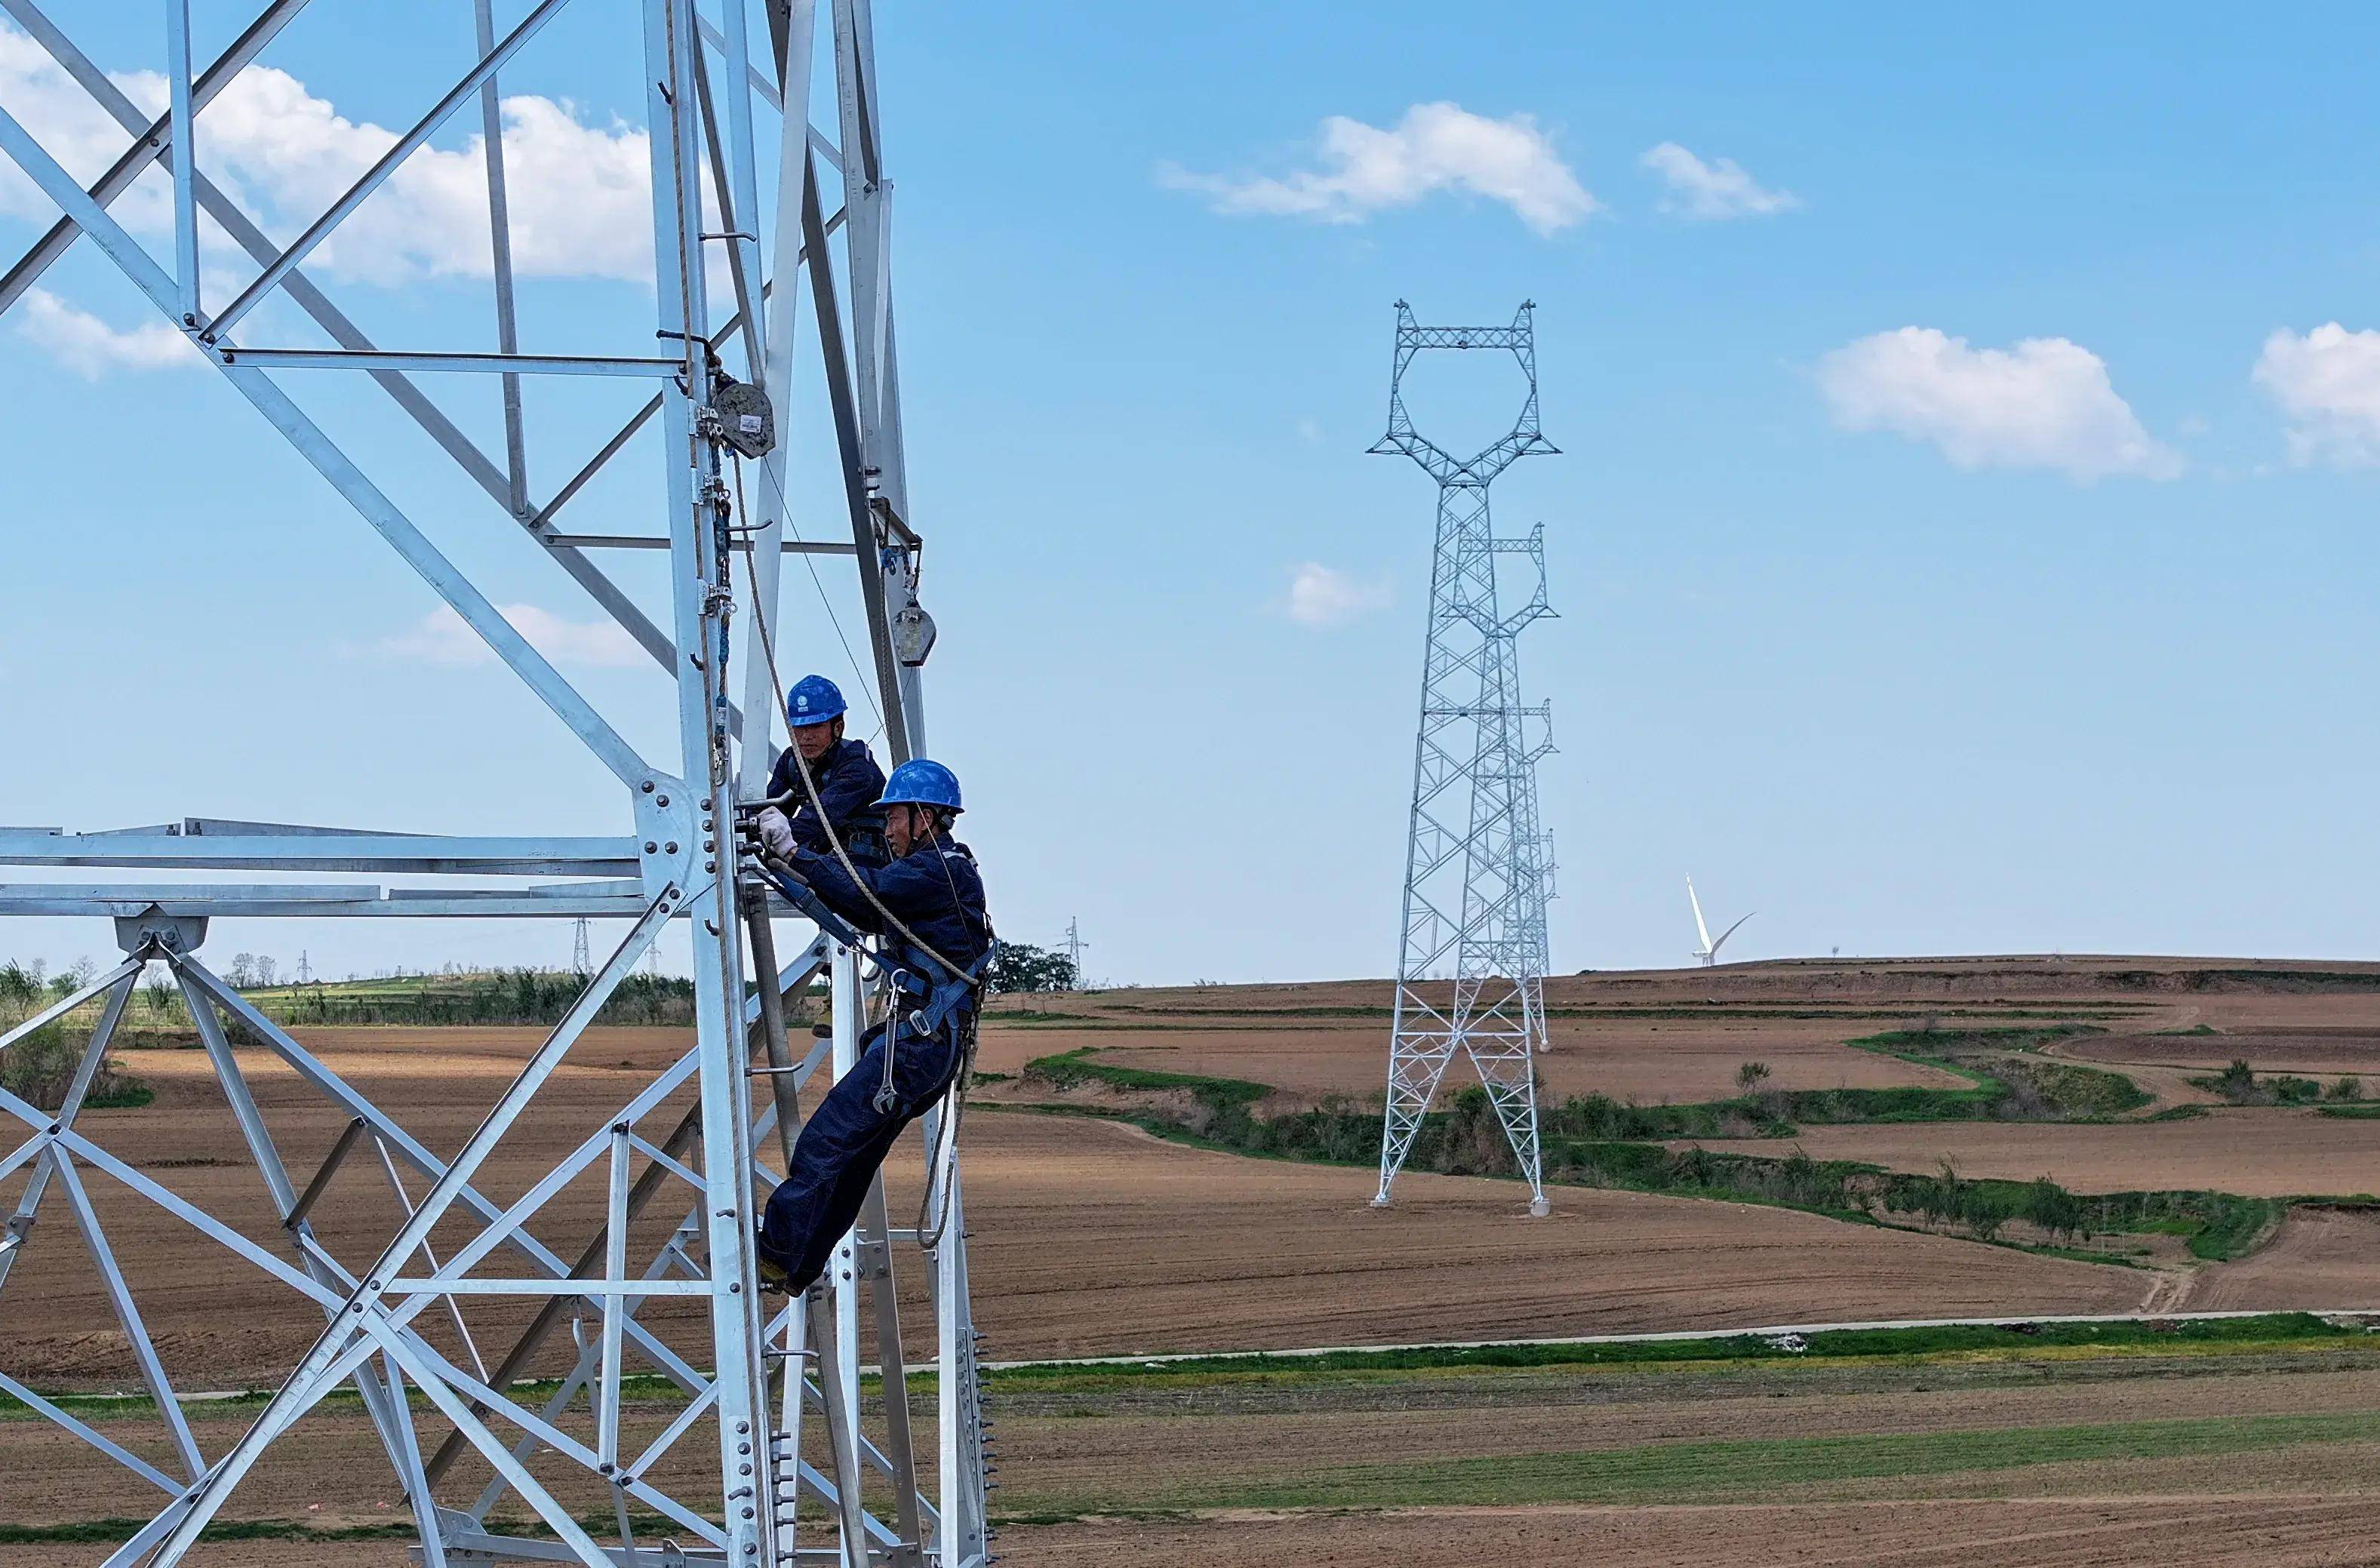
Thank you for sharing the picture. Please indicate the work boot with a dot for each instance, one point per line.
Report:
(774, 1281)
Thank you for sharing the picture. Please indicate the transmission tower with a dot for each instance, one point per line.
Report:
(1075, 945)
(802, 1463)
(582, 961)
(1532, 881)
(1471, 958)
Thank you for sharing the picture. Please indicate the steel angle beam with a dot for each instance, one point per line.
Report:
(628, 542)
(143, 894)
(480, 364)
(285, 900)
(373, 178)
(505, 488)
(330, 851)
(151, 143)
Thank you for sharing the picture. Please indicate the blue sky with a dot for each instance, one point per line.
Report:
(1949, 555)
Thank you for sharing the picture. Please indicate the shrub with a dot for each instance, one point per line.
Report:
(41, 1067)
(2236, 1083)
(18, 985)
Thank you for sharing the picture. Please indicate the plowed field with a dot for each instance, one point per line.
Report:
(1091, 1238)
(1671, 1035)
(2311, 1053)
(1648, 1061)
(2260, 1153)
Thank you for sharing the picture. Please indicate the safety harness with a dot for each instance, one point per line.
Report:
(930, 1008)
(923, 1008)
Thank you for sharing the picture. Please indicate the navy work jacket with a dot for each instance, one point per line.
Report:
(848, 784)
(935, 890)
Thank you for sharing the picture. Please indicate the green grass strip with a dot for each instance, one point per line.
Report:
(2284, 1330)
(1959, 1342)
(1070, 1068)
(1707, 1472)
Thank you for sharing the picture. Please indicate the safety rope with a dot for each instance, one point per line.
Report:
(809, 562)
(809, 784)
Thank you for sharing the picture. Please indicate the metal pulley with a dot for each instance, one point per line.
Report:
(913, 634)
(743, 416)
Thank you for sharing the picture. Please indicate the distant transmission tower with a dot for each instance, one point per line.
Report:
(581, 954)
(1075, 945)
(1471, 965)
(1532, 846)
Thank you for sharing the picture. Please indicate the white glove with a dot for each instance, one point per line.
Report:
(776, 834)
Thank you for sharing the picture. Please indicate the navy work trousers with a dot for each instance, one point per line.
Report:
(841, 1145)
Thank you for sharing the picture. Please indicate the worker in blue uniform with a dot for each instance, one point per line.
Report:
(929, 885)
(842, 774)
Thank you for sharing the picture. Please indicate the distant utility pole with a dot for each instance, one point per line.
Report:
(581, 959)
(1075, 945)
(1476, 863)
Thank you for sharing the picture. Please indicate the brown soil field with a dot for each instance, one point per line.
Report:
(1091, 1238)
(1671, 1035)
(2310, 1053)
(1158, 1455)
(2304, 1531)
(2216, 1530)
(1094, 1239)
(2320, 1256)
(1076, 1462)
(1627, 1059)
(2169, 992)
(2260, 1153)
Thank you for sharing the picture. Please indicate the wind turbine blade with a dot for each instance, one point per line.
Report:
(1731, 932)
(1700, 929)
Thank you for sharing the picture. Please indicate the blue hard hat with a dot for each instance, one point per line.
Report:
(921, 783)
(814, 700)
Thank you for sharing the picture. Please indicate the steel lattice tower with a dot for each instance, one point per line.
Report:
(755, 1443)
(1470, 964)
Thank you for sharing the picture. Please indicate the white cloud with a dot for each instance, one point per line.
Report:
(443, 637)
(578, 190)
(2047, 403)
(79, 134)
(2328, 382)
(89, 348)
(1320, 596)
(1715, 190)
(1435, 147)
